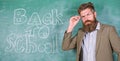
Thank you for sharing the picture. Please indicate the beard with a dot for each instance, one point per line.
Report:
(91, 26)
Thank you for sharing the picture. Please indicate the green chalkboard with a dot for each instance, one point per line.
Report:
(32, 30)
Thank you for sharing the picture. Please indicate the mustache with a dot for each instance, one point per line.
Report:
(88, 21)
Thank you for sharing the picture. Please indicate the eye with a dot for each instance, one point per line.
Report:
(82, 16)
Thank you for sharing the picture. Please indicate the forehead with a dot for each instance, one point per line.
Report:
(86, 11)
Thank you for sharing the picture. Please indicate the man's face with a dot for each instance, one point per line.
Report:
(89, 20)
(88, 16)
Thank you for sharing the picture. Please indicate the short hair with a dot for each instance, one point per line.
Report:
(85, 6)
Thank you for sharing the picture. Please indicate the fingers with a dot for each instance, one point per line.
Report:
(75, 18)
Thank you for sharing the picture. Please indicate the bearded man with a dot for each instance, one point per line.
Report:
(94, 41)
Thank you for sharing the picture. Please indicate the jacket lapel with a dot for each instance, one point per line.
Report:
(80, 39)
(99, 33)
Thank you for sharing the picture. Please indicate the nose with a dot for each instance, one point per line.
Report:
(85, 19)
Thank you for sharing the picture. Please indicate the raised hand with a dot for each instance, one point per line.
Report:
(73, 21)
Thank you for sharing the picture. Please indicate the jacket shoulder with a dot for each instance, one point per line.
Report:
(107, 26)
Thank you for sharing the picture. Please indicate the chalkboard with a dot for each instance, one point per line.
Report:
(32, 30)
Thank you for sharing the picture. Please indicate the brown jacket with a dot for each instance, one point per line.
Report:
(107, 41)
